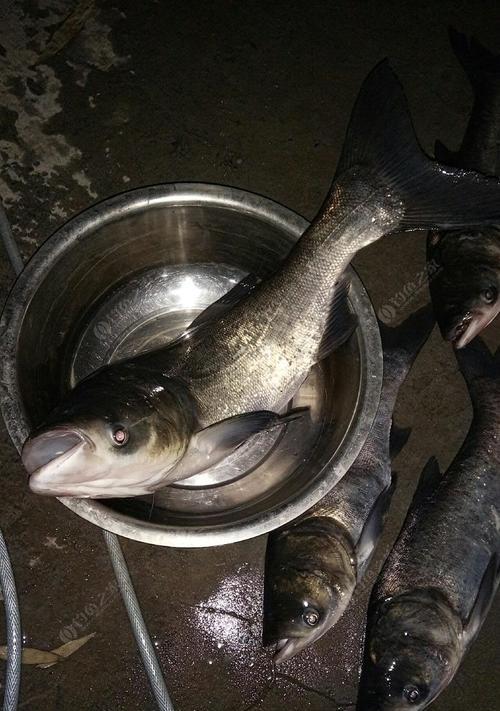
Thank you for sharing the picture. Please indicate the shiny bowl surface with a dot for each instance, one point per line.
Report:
(127, 275)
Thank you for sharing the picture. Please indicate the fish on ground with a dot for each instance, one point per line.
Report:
(313, 566)
(136, 426)
(464, 265)
(437, 584)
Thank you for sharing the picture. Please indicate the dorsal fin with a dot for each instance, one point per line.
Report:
(486, 592)
(373, 528)
(444, 155)
(341, 321)
(226, 302)
(410, 334)
(430, 479)
(398, 438)
(196, 328)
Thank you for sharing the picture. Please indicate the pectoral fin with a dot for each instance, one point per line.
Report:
(212, 444)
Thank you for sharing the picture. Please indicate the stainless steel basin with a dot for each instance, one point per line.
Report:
(127, 275)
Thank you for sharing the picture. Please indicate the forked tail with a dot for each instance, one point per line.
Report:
(481, 66)
(479, 149)
(381, 144)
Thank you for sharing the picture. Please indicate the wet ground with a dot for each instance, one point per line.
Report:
(96, 98)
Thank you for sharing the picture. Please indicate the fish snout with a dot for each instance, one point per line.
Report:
(280, 638)
(44, 457)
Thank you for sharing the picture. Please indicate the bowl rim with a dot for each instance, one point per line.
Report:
(197, 195)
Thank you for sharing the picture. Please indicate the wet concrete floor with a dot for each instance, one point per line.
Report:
(96, 98)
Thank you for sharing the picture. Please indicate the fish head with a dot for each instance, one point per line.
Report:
(307, 586)
(412, 650)
(113, 435)
(464, 280)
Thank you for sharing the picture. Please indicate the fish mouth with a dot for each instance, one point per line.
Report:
(469, 326)
(459, 329)
(45, 455)
(288, 647)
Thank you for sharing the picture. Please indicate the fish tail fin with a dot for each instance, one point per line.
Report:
(381, 144)
(481, 370)
(401, 345)
(481, 66)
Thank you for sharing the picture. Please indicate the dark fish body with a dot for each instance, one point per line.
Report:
(312, 567)
(464, 266)
(238, 368)
(437, 584)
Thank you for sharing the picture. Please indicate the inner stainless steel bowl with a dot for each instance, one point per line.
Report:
(127, 275)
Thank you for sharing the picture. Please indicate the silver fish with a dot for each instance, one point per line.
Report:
(136, 426)
(437, 584)
(464, 266)
(313, 567)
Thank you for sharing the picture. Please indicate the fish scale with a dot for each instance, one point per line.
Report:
(461, 515)
(351, 501)
(435, 588)
(234, 370)
(317, 561)
(257, 356)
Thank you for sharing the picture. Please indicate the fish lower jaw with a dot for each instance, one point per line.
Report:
(287, 648)
(105, 486)
(471, 325)
(457, 333)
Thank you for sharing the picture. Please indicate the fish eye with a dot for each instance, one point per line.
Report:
(490, 294)
(412, 693)
(311, 617)
(120, 436)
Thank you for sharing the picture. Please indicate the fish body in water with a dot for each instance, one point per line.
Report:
(437, 584)
(464, 265)
(313, 566)
(172, 413)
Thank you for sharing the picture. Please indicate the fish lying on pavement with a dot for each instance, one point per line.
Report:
(437, 584)
(464, 266)
(313, 567)
(138, 425)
